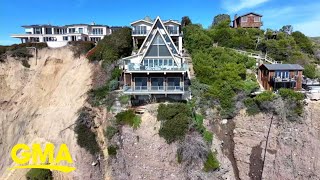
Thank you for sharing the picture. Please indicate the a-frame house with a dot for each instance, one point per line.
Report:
(157, 70)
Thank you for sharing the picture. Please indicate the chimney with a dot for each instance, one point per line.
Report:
(235, 21)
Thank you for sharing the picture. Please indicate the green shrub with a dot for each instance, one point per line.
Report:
(99, 94)
(175, 129)
(129, 118)
(211, 163)
(167, 112)
(124, 99)
(291, 94)
(86, 138)
(110, 132)
(113, 85)
(251, 105)
(39, 174)
(116, 73)
(21, 53)
(136, 122)
(199, 123)
(81, 47)
(112, 150)
(265, 96)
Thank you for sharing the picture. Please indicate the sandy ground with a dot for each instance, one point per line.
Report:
(37, 103)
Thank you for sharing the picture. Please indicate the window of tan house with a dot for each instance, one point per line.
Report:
(244, 19)
(256, 19)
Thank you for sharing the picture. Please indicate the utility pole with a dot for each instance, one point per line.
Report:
(35, 51)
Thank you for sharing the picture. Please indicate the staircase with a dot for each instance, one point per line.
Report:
(260, 58)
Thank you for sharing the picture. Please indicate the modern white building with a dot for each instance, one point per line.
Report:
(73, 32)
(157, 69)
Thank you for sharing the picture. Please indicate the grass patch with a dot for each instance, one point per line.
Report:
(208, 136)
(39, 174)
(211, 163)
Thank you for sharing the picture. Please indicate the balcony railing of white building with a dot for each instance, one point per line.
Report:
(150, 89)
(139, 32)
(141, 67)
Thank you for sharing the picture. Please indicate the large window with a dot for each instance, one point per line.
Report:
(157, 83)
(172, 29)
(97, 31)
(72, 30)
(80, 30)
(173, 83)
(158, 64)
(48, 30)
(139, 30)
(141, 83)
(158, 48)
(282, 74)
(37, 31)
(65, 38)
(256, 19)
(244, 19)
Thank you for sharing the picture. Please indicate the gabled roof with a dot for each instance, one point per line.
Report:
(167, 37)
(171, 21)
(250, 13)
(141, 20)
(280, 67)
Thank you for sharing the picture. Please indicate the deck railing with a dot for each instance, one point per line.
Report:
(141, 67)
(153, 88)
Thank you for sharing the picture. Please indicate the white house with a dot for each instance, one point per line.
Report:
(141, 28)
(73, 32)
(157, 69)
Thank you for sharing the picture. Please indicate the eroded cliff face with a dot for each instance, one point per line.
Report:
(292, 149)
(37, 104)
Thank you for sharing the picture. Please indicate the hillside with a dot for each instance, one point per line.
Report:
(37, 104)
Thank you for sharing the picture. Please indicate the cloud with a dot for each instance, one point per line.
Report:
(233, 6)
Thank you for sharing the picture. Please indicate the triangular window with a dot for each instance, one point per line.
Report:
(158, 47)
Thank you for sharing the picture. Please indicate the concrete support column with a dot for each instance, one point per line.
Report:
(43, 31)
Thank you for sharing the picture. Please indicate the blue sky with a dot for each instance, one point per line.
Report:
(304, 15)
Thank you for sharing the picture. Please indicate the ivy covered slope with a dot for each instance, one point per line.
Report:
(222, 77)
(221, 73)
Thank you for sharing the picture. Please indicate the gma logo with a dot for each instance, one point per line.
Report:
(34, 157)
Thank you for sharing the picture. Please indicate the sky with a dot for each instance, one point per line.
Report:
(303, 15)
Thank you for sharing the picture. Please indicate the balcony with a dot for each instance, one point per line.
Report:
(153, 89)
(139, 32)
(135, 67)
(281, 79)
(173, 32)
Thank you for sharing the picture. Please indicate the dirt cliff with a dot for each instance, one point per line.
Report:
(292, 148)
(37, 104)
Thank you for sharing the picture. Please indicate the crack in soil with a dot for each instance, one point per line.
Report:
(224, 132)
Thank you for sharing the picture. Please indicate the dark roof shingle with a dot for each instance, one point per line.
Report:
(283, 66)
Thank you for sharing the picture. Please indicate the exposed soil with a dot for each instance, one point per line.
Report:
(224, 133)
(39, 104)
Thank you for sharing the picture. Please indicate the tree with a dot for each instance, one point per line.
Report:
(185, 21)
(221, 18)
(303, 42)
(287, 29)
(310, 71)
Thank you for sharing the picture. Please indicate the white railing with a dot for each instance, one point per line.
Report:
(152, 88)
